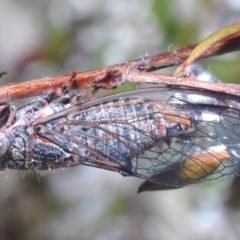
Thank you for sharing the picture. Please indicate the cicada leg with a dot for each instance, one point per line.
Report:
(3, 73)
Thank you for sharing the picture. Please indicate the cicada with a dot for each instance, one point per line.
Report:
(172, 136)
(182, 132)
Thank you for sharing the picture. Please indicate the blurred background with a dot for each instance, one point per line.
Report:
(47, 38)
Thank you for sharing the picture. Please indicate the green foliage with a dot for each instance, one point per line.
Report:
(118, 206)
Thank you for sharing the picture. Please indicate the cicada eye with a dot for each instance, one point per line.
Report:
(4, 146)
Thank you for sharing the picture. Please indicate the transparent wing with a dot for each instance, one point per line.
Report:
(173, 137)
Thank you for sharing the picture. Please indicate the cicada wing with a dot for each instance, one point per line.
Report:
(175, 141)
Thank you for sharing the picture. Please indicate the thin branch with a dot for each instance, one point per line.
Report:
(115, 75)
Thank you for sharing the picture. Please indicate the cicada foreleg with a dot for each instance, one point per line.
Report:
(7, 115)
